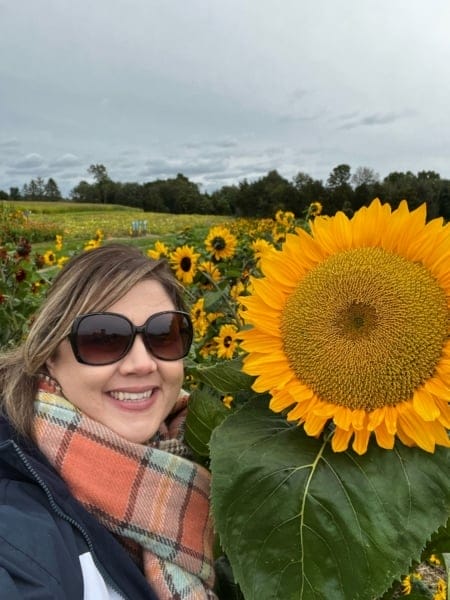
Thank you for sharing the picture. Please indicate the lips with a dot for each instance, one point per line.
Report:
(131, 396)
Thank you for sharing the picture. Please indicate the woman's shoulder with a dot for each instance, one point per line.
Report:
(35, 547)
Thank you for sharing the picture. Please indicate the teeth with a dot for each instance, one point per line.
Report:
(131, 397)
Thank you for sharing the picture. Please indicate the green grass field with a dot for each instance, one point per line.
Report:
(78, 222)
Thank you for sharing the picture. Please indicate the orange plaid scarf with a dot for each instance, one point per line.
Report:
(152, 499)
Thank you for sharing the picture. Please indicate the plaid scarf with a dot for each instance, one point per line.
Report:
(154, 500)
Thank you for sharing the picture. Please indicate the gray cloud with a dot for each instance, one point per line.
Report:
(374, 119)
(30, 162)
(66, 160)
(7, 144)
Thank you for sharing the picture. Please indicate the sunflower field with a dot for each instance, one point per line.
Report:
(319, 380)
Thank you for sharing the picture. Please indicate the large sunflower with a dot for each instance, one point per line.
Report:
(350, 328)
(221, 243)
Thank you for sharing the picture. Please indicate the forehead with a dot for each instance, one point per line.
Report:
(142, 300)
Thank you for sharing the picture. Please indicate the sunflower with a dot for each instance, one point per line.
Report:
(184, 261)
(221, 243)
(208, 349)
(96, 242)
(236, 290)
(407, 585)
(211, 270)
(261, 247)
(285, 218)
(350, 326)
(227, 341)
(62, 261)
(441, 590)
(314, 209)
(49, 258)
(58, 242)
(199, 318)
(160, 250)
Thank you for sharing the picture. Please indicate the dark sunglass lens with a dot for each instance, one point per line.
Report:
(169, 335)
(102, 339)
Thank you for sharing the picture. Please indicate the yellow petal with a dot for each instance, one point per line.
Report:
(384, 438)
(376, 417)
(343, 417)
(418, 430)
(340, 440)
(359, 419)
(424, 405)
(314, 425)
(391, 414)
(361, 441)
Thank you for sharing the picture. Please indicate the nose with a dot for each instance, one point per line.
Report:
(138, 360)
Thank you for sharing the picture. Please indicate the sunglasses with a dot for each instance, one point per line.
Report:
(104, 338)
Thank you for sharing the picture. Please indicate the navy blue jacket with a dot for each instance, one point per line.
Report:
(50, 547)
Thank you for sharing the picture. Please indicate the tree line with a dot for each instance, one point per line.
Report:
(343, 190)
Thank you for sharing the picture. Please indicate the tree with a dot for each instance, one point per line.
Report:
(152, 197)
(401, 186)
(103, 184)
(224, 200)
(364, 193)
(30, 190)
(99, 173)
(34, 190)
(262, 198)
(129, 194)
(186, 195)
(428, 176)
(177, 196)
(51, 190)
(40, 187)
(367, 186)
(340, 190)
(429, 185)
(339, 177)
(364, 176)
(444, 201)
(84, 192)
(309, 190)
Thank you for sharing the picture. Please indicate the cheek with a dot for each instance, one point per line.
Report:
(174, 374)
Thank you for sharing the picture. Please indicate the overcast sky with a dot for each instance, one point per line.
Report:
(222, 90)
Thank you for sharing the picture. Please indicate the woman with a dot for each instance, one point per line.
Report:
(98, 498)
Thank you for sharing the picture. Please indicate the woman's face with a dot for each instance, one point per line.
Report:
(134, 395)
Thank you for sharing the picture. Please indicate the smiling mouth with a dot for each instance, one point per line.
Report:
(131, 396)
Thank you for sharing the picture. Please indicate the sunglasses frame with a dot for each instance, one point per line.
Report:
(134, 331)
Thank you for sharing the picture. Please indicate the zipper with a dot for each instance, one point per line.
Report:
(54, 506)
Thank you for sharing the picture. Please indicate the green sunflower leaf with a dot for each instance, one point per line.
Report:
(226, 376)
(440, 542)
(206, 411)
(298, 521)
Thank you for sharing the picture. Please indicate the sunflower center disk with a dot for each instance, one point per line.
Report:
(218, 243)
(185, 264)
(365, 328)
